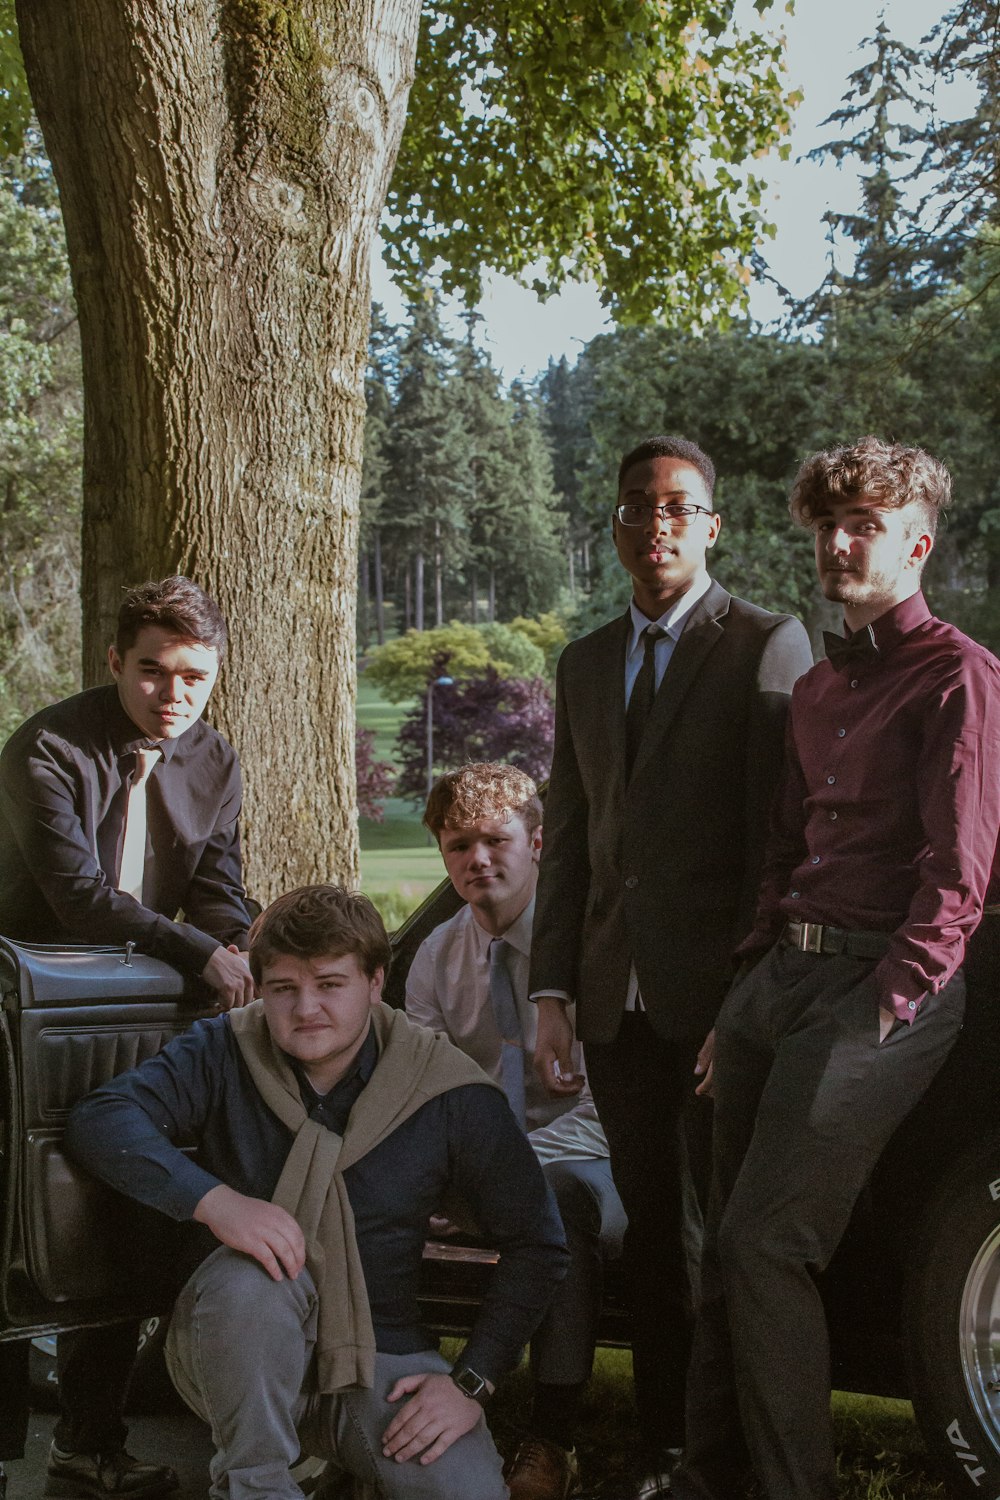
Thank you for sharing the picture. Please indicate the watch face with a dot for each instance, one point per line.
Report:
(468, 1382)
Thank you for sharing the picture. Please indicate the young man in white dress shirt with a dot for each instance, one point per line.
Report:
(469, 979)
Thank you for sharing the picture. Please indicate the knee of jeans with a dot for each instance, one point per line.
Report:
(231, 1279)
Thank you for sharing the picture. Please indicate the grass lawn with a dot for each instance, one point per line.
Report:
(399, 866)
(880, 1453)
(375, 712)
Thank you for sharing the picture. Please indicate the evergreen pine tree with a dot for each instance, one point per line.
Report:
(424, 512)
(490, 470)
(380, 383)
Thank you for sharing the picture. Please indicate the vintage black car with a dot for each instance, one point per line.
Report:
(913, 1296)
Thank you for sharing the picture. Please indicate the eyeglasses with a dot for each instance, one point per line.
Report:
(638, 513)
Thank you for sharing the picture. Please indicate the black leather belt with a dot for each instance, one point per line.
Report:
(817, 937)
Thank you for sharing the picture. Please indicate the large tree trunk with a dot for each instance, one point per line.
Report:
(438, 577)
(364, 627)
(418, 591)
(222, 166)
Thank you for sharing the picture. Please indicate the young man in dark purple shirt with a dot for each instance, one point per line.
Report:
(883, 840)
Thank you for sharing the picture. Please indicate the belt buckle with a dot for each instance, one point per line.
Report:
(810, 937)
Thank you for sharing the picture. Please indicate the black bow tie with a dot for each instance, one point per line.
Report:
(847, 651)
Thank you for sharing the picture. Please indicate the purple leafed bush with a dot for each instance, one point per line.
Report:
(485, 717)
(375, 778)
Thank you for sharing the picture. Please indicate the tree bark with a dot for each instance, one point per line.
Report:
(364, 627)
(438, 578)
(222, 166)
(418, 591)
(491, 596)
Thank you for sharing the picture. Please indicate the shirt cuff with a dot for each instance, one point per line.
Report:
(899, 990)
(562, 995)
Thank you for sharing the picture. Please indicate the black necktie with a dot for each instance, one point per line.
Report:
(851, 650)
(641, 699)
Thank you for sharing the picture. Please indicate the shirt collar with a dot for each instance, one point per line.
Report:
(673, 620)
(518, 934)
(890, 628)
(126, 736)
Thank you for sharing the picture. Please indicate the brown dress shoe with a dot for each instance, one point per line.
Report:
(541, 1470)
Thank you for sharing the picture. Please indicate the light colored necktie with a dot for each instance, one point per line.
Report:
(509, 1026)
(133, 861)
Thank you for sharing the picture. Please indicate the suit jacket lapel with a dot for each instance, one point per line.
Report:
(701, 633)
(606, 671)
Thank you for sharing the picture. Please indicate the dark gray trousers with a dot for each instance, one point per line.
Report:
(806, 1098)
(95, 1366)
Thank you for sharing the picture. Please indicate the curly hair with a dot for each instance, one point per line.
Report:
(890, 474)
(481, 790)
(320, 921)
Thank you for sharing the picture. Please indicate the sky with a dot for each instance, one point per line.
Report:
(824, 40)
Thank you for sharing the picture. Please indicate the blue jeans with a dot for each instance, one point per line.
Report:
(240, 1351)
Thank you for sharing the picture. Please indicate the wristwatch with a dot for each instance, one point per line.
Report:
(470, 1384)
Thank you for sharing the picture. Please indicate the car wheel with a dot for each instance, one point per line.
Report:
(951, 1323)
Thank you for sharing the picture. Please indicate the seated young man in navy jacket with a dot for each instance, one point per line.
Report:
(329, 1127)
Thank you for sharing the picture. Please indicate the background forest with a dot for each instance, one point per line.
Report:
(486, 505)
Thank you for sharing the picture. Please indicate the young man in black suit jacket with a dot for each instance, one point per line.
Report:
(669, 729)
(119, 809)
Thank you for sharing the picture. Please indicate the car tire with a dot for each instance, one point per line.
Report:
(951, 1323)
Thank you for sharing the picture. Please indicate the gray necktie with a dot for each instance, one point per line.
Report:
(133, 860)
(509, 1026)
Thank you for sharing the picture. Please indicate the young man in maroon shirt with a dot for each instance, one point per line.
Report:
(882, 844)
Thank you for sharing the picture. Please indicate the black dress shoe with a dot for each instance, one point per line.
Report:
(654, 1475)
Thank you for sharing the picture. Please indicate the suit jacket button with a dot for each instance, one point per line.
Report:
(631, 881)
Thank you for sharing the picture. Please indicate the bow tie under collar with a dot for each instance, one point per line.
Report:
(846, 651)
